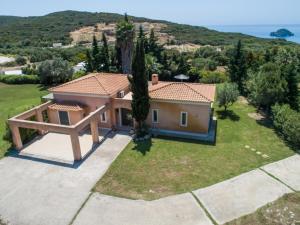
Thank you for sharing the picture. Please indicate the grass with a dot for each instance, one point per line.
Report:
(285, 211)
(13, 100)
(163, 167)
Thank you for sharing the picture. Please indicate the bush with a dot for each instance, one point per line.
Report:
(287, 122)
(21, 60)
(215, 77)
(19, 79)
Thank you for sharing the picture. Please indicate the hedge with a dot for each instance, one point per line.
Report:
(19, 79)
(287, 122)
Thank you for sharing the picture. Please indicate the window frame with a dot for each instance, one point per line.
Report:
(60, 120)
(155, 110)
(186, 119)
(105, 117)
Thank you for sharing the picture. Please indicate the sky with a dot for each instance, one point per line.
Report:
(195, 12)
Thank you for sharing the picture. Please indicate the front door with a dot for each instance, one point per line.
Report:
(126, 118)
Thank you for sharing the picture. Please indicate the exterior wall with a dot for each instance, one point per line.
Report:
(74, 116)
(90, 103)
(169, 116)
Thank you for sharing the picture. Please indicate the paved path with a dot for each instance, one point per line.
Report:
(241, 195)
(174, 210)
(39, 193)
(287, 170)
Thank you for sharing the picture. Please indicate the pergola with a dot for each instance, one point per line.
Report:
(21, 121)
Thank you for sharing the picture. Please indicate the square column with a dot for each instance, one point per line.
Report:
(16, 137)
(39, 118)
(76, 145)
(94, 130)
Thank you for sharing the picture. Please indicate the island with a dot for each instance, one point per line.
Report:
(282, 33)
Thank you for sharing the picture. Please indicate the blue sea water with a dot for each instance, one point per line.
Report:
(262, 31)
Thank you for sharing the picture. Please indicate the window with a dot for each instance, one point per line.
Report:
(184, 119)
(154, 115)
(103, 118)
(64, 117)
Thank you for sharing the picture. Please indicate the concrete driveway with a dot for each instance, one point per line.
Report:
(41, 193)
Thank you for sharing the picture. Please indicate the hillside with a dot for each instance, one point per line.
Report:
(42, 31)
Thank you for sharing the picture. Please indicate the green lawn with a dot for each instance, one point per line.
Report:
(15, 99)
(163, 167)
(285, 211)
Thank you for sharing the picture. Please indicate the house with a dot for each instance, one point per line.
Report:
(104, 100)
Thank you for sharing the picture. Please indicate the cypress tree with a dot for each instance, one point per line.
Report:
(238, 68)
(290, 74)
(139, 86)
(105, 55)
(89, 62)
(96, 56)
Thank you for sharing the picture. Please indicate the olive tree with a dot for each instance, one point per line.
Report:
(227, 94)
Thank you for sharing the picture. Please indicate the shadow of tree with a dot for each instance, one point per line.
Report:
(229, 114)
(143, 146)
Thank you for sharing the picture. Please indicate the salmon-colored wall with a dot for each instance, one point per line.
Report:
(169, 116)
(90, 103)
(74, 116)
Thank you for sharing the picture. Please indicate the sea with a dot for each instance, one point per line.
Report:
(262, 31)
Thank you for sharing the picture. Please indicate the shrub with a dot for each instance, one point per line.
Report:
(215, 77)
(21, 60)
(287, 122)
(19, 79)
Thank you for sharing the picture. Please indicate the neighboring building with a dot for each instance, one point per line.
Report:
(57, 45)
(13, 72)
(104, 100)
(79, 67)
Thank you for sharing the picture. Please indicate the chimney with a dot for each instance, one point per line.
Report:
(154, 79)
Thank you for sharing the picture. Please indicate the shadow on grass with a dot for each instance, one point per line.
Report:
(143, 146)
(229, 114)
(185, 140)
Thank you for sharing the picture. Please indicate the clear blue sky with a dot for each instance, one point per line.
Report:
(196, 12)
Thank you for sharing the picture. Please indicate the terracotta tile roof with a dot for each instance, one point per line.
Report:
(65, 107)
(96, 83)
(191, 92)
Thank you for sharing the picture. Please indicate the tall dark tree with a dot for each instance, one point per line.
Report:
(89, 62)
(125, 35)
(96, 55)
(183, 66)
(154, 47)
(237, 67)
(105, 55)
(139, 86)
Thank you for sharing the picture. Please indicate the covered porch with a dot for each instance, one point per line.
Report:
(57, 141)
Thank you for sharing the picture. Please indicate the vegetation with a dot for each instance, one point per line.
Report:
(54, 72)
(19, 79)
(125, 36)
(228, 94)
(43, 31)
(15, 99)
(282, 33)
(238, 67)
(213, 77)
(287, 123)
(284, 211)
(267, 87)
(161, 167)
(139, 86)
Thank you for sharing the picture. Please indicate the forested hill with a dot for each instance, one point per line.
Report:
(56, 27)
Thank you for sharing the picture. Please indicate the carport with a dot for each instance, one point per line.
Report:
(76, 137)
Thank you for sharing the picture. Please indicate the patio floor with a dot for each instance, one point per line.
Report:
(58, 147)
